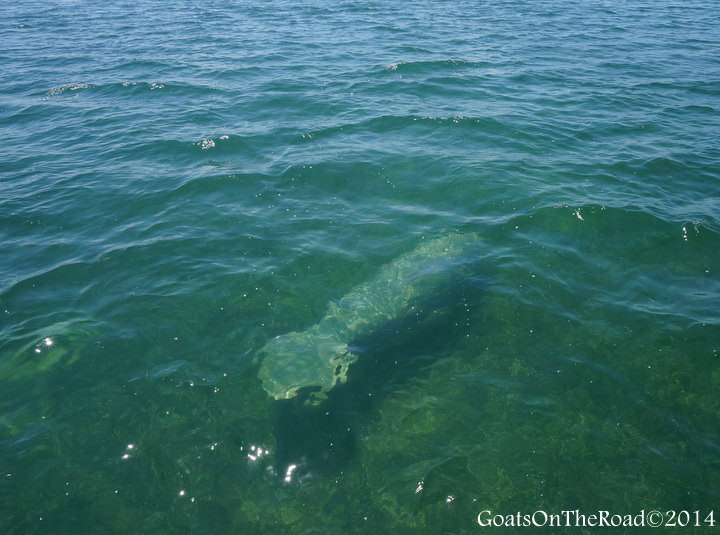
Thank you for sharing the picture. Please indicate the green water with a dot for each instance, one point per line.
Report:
(182, 182)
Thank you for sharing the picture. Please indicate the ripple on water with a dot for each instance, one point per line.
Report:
(180, 185)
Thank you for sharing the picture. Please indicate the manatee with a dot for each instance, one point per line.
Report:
(319, 356)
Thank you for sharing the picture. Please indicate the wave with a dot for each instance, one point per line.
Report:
(134, 88)
(434, 66)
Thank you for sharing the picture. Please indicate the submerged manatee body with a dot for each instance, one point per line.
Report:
(319, 356)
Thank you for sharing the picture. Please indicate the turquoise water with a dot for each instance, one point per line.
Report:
(180, 182)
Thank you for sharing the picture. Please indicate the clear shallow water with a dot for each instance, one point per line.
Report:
(180, 183)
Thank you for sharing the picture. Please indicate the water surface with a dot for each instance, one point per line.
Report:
(180, 182)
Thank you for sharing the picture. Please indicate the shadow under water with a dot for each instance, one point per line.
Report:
(323, 439)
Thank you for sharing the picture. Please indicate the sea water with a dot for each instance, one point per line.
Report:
(182, 181)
